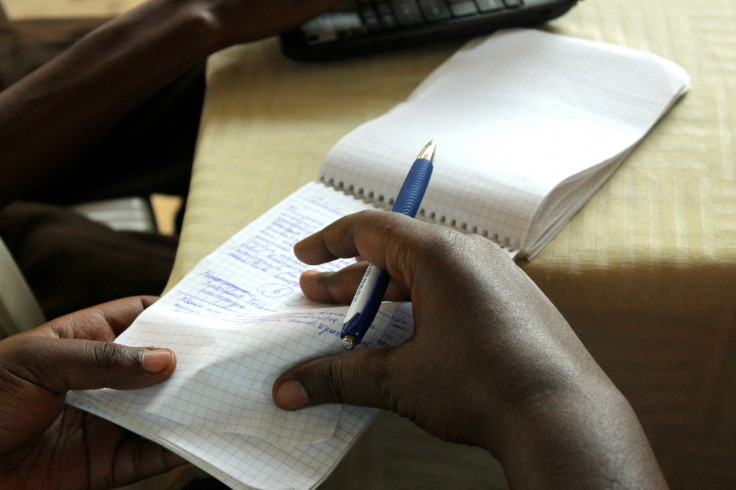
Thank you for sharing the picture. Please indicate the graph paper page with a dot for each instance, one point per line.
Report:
(515, 115)
(236, 322)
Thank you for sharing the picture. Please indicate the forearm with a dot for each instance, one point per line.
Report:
(57, 112)
(587, 438)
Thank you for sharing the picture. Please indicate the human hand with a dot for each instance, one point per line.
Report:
(114, 70)
(241, 21)
(491, 362)
(45, 443)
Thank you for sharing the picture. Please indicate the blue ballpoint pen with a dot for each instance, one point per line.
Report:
(370, 292)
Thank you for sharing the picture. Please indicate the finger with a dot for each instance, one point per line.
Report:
(382, 238)
(339, 287)
(102, 322)
(133, 458)
(358, 378)
(367, 234)
(332, 242)
(138, 459)
(70, 364)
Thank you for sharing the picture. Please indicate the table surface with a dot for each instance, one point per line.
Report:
(55, 9)
(645, 272)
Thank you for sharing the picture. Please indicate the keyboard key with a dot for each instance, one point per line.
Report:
(407, 12)
(463, 9)
(512, 3)
(347, 25)
(333, 26)
(434, 10)
(489, 5)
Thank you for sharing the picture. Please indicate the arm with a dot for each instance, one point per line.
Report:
(56, 112)
(47, 444)
(491, 362)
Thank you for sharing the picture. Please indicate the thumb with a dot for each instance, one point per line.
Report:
(355, 378)
(71, 364)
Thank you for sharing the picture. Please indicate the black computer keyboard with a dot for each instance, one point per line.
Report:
(362, 26)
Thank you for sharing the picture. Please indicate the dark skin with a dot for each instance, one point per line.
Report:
(46, 444)
(504, 372)
(530, 393)
(54, 114)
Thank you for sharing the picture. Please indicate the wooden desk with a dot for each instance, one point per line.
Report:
(645, 273)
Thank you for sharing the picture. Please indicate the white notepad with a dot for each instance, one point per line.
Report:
(528, 126)
(236, 322)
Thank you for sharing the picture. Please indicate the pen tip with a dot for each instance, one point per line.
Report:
(428, 150)
(349, 342)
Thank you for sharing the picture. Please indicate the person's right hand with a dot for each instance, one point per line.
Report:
(249, 20)
(55, 115)
(491, 362)
(239, 21)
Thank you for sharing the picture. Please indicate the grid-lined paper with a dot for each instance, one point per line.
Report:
(516, 117)
(237, 321)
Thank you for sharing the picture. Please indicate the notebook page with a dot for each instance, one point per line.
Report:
(237, 321)
(514, 115)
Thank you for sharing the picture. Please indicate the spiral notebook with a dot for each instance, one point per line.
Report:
(527, 124)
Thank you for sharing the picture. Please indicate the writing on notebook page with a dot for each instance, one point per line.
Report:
(238, 320)
(266, 258)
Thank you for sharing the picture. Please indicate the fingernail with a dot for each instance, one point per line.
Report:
(156, 360)
(290, 395)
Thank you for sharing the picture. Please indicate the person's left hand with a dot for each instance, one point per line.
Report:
(45, 443)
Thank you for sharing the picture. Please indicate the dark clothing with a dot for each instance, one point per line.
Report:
(69, 262)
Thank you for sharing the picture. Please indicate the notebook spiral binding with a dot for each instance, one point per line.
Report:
(383, 202)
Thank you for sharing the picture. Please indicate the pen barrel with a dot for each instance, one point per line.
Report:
(370, 292)
(358, 324)
(412, 191)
